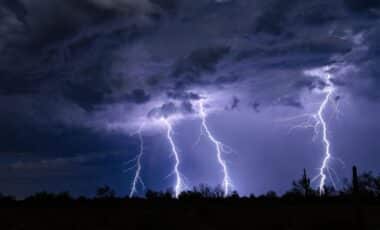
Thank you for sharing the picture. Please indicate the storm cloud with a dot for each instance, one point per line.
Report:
(71, 69)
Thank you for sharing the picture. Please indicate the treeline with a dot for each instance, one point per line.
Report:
(364, 187)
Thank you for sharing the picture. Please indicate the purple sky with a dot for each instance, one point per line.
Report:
(79, 78)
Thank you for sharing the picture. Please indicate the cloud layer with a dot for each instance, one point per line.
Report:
(72, 72)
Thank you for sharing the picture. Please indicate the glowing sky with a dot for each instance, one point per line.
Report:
(79, 78)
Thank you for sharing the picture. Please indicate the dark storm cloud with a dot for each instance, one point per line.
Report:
(58, 140)
(65, 48)
(255, 106)
(17, 8)
(164, 110)
(234, 104)
(273, 17)
(181, 105)
(169, 109)
(180, 95)
(93, 93)
(367, 86)
(167, 5)
(139, 96)
(55, 72)
(362, 79)
(190, 69)
(362, 6)
(70, 69)
(228, 79)
(50, 22)
(310, 84)
(371, 67)
(76, 59)
(290, 101)
(79, 48)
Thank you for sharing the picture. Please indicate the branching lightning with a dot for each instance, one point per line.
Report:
(329, 89)
(137, 178)
(318, 122)
(178, 188)
(219, 150)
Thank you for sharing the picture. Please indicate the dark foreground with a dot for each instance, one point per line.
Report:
(214, 214)
(357, 206)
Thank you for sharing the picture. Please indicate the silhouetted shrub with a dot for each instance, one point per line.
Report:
(152, 195)
(218, 192)
(42, 197)
(271, 195)
(190, 195)
(234, 195)
(64, 196)
(204, 190)
(105, 192)
(366, 185)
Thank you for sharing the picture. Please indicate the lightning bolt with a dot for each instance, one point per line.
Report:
(179, 181)
(329, 91)
(318, 122)
(219, 146)
(137, 178)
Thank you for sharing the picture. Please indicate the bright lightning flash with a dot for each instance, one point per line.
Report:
(318, 122)
(329, 91)
(178, 188)
(137, 178)
(219, 149)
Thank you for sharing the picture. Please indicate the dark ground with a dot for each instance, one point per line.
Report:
(172, 214)
(357, 207)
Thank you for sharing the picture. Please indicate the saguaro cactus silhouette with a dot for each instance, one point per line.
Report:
(302, 186)
(355, 182)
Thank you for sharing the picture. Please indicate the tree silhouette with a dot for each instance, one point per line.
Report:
(271, 195)
(205, 190)
(105, 192)
(190, 195)
(152, 195)
(42, 197)
(234, 195)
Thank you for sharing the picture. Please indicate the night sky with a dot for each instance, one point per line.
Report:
(80, 78)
